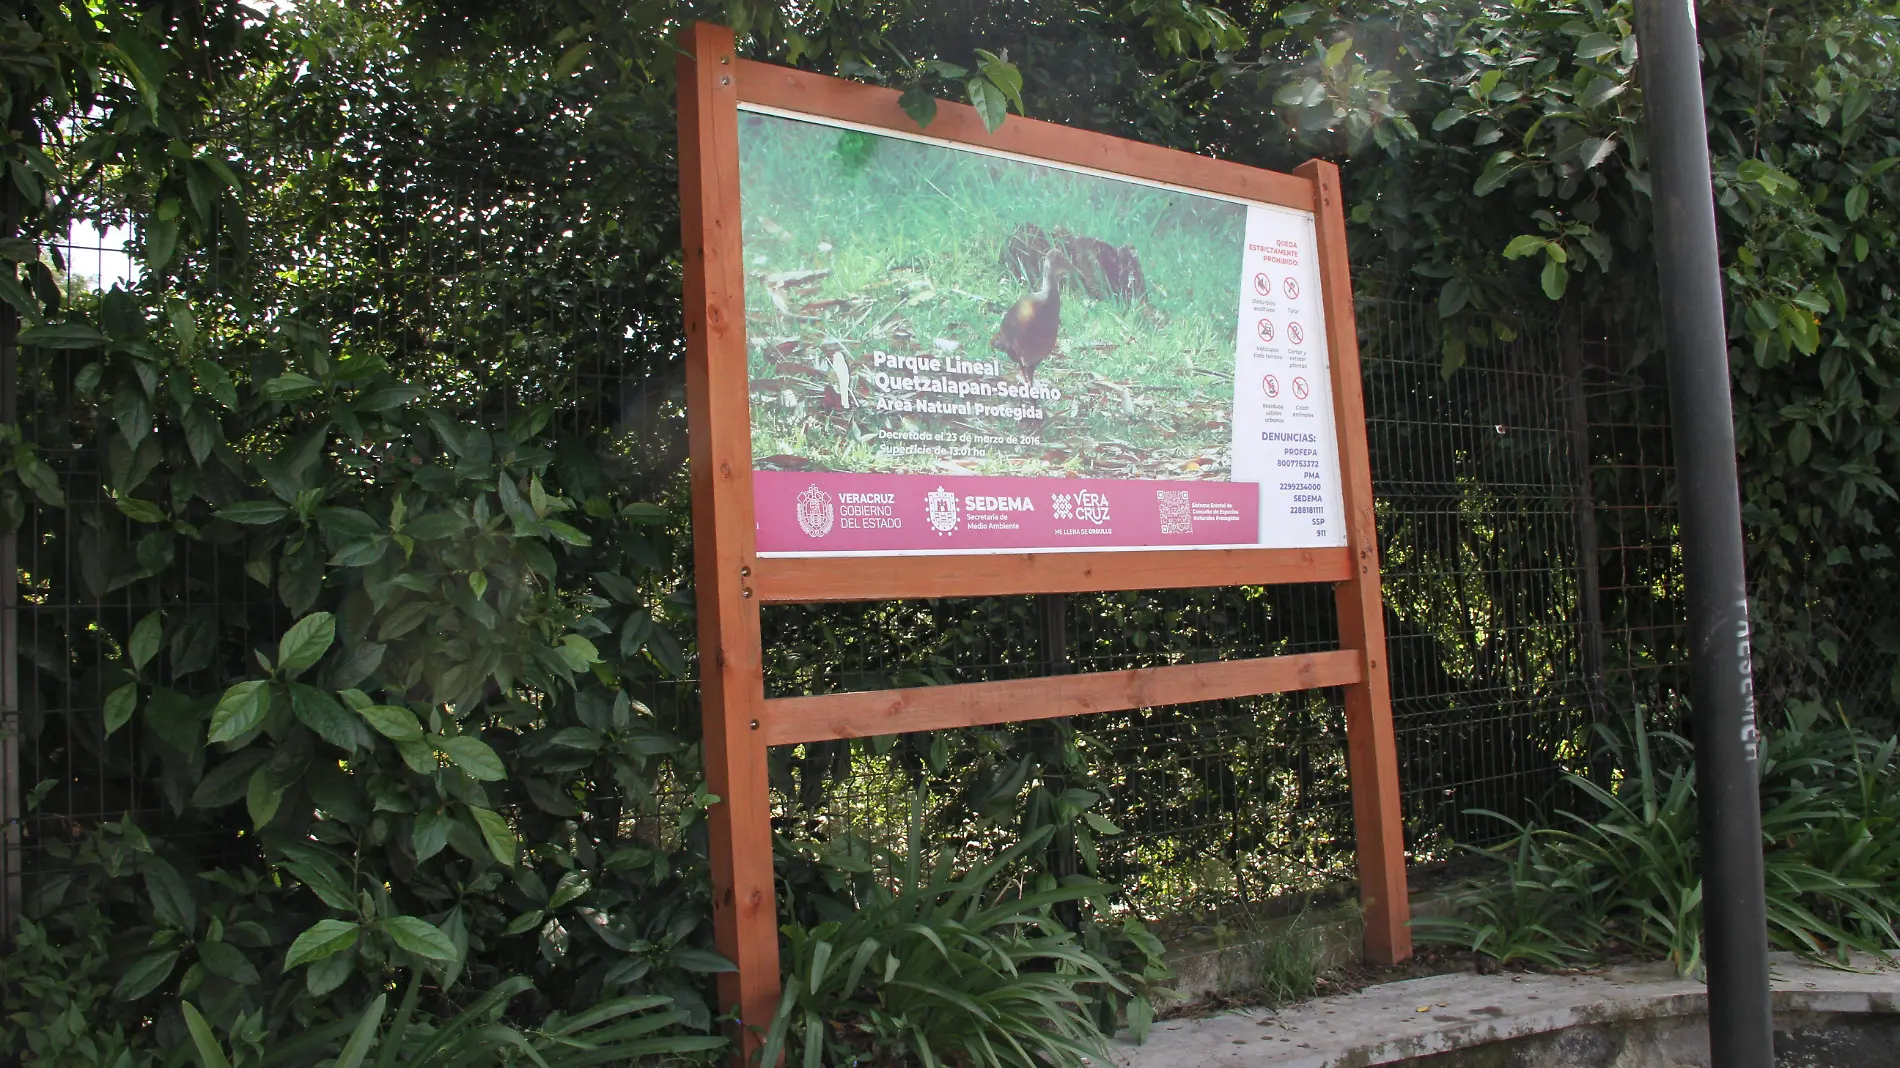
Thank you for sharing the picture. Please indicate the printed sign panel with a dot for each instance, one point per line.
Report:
(953, 350)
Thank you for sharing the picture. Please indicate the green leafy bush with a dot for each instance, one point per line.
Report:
(620, 1031)
(951, 965)
(1624, 874)
(374, 637)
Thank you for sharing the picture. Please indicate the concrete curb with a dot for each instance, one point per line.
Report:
(1397, 1022)
(1205, 968)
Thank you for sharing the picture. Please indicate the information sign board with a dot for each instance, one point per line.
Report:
(957, 349)
(1032, 360)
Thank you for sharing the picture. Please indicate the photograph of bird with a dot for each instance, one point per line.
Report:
(1028, 330)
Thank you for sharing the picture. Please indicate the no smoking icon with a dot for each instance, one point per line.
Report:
(1270, 386)
(1265, 330)
(1263, 285)
(1292, 289)
(1295, 333)
(1300, 391)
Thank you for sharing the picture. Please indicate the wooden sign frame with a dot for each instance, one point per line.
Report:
(733, 581)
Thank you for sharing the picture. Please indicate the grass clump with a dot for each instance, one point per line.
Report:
(951, 964)
(1623, 875)
(1290, 965)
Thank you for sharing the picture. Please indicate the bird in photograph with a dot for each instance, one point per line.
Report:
(1028, 331)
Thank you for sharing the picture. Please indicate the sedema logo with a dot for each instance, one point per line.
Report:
(940, 507)
(815, 513)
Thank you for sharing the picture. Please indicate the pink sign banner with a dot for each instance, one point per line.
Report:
(817, 513)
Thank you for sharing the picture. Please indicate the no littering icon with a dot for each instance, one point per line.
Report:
(1270, 386)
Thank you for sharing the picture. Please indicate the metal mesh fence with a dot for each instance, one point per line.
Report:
(1488, 478)
(1526, 525)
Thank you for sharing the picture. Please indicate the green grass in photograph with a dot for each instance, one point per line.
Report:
(858, 243)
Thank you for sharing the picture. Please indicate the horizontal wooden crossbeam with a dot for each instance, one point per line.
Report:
(802, 91)
(805, 580)
(863, 714)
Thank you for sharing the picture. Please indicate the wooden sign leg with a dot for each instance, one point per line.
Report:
(732, 682)
(1372, 743)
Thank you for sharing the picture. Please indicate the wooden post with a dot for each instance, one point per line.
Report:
(1372, 743)
(731, 668)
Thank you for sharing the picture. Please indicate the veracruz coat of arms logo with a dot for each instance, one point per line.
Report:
(940, 507)
(815, 513)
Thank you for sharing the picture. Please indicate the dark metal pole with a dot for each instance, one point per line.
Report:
(1053, 630)
(1589, 576)
(11, 213)
(1721, 682)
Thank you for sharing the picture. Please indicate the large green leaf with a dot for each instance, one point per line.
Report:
(430, 834)
(393, 722)
(170, 895)
(120, 704)
(255, 513)
(227, 962)
(143, 645)
(240, 711)
(420, 937)
(364, 1035)
(323, 714)
(323, 880)
(474, 757)
(145, 974)
(210, 1054)
(305, 642)
(290, 387)
(989, 101)
(69, 335)
(496, 833)
(320, 940)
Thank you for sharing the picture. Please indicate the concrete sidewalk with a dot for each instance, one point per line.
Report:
(1397, 1022)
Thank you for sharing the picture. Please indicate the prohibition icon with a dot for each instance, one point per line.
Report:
(1300, 390)
(1265, 330)
(1270, 386)
(1295, 333)
(1263, 285)
(1292, 289)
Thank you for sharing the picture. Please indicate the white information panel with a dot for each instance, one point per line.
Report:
(1284, 437)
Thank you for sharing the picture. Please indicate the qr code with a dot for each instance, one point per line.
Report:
(1175, 517)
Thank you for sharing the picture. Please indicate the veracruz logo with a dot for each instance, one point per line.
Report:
(940, 507)
(1085, 505)
(815, 512)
